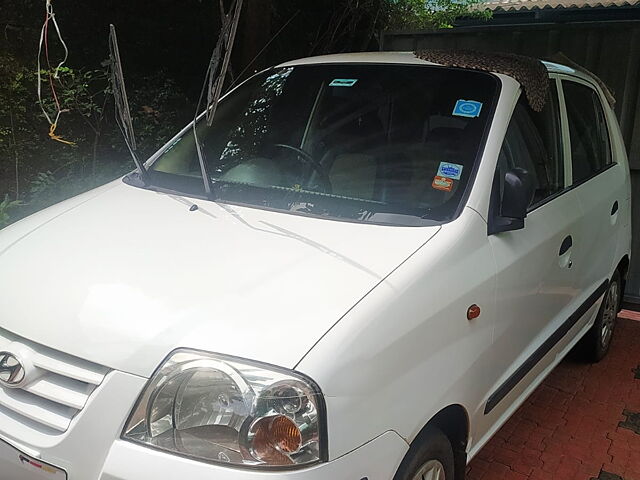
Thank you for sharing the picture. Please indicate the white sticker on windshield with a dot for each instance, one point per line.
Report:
(450, 170)
(343, 82)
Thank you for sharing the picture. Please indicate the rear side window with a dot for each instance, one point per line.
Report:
(532, 143)
(590, 145)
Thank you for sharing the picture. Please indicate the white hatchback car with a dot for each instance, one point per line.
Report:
(393, 256)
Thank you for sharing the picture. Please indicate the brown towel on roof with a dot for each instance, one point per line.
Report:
(530, 72)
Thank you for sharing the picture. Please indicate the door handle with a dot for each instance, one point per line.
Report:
(567, 243)
(614, 209)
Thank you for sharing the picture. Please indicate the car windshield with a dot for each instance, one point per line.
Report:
(391, 144)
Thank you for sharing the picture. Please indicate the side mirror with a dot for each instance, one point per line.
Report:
(508, 213)
(517, 194)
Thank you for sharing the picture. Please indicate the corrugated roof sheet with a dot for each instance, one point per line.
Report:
(510, 5)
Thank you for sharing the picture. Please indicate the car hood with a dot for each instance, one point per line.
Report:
(122, 276)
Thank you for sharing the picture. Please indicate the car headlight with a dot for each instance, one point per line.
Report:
(221, 409)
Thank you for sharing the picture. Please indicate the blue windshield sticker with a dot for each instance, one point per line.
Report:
(467, 108)
(343, 82)
(450, 170)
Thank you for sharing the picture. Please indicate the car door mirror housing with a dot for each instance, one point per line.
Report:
(517, 194)
(510, 211)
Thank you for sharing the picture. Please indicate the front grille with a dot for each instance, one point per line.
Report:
(61, 388)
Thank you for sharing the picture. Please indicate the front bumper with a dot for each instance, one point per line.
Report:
(376, 460)
(82, 450)
(92, 450)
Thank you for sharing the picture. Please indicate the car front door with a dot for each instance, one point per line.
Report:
(535, 278)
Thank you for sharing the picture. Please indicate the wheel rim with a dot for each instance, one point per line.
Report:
(609, 314)
(432, 470)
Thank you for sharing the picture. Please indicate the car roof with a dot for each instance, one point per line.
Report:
(404, 58)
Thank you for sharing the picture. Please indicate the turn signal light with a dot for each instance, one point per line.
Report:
(473, 312)
(275, 438)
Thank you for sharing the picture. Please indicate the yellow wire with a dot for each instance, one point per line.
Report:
(58, 138)
(53, 124)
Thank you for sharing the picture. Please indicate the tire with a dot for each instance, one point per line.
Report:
(597, 341)
(429, 458)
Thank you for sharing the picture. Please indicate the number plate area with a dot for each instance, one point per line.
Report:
(16, 465)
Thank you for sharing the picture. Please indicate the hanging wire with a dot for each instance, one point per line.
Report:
(53, 73)
(264, 49)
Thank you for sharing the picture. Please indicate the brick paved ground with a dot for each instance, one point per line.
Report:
(582, 423)
(628, 314)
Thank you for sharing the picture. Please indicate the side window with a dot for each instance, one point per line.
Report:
(590, 145)
(532, 142)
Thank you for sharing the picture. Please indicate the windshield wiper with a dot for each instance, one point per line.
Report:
(123, 112)
(214, 81)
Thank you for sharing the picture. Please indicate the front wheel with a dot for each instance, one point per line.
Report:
(598, 340)
(430, 458)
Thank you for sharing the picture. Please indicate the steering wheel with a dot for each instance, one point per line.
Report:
(312, 162)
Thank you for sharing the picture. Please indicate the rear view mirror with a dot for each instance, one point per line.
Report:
(510, 210)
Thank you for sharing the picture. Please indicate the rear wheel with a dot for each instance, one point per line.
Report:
(430, 458)
(598, 341)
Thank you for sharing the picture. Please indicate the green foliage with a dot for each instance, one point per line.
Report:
(334, 26)
(5, 206)
(431, 14)
(159, 108)
(82, 95)
(15, 135)
(42, 187)
(36, 171)
(85, 93)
